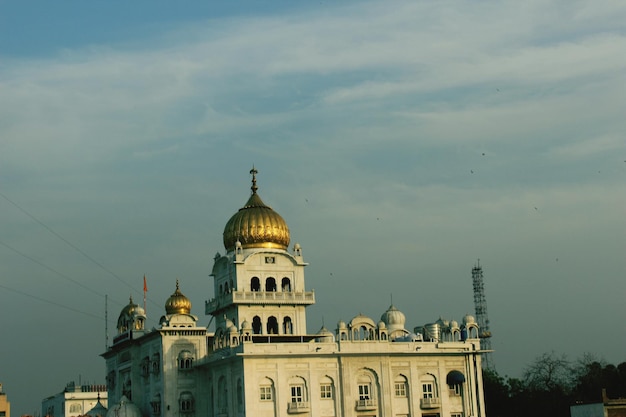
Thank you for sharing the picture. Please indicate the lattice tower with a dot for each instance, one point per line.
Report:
(480, 306)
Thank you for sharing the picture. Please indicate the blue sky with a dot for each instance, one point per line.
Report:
(400, 141)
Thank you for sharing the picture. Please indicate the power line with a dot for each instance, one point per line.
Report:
(67, 242)
(51, 302)
(30, 258)
(70, 244)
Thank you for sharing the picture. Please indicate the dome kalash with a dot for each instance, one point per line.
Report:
(177, 303)
(256, 225)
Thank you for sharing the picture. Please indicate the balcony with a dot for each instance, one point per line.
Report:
(298, 407)
(428, 403)
(259, 298)
(366, 405)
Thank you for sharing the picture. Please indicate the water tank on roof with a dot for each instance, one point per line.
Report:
(432, 332)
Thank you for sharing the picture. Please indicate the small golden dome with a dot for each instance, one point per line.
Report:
(131, 309)
(177, 303)
(256, 225)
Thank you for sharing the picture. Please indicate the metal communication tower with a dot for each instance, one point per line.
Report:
(480, 305)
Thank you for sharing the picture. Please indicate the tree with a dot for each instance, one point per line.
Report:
(550, 373)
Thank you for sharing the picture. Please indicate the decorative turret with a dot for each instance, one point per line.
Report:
(132, 317)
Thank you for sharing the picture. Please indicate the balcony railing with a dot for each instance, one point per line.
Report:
(366, 405)
(298, 407)
(427, 403)
(259, 297)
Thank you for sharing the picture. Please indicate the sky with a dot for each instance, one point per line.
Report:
(401, 142)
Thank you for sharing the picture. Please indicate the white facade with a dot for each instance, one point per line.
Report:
(262, 361)
(74, 401)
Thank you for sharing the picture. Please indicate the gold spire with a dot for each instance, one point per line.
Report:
(177, 303)
(256, 225)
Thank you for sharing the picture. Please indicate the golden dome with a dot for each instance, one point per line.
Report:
(132, 309)
(256, 225)
(177, 303)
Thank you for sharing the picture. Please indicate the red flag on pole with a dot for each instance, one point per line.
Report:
(145, 290)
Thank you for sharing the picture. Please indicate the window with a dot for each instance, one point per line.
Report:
(456, 415)
(326, 391)
(145, 366)
(400, 388)
(266, 392)
(427, 390)
(297, 393)
(270, 260)
(364, 391)
(239, 395)
(255, 284)
(156, 404)
(185, 360)
(287, 325)
(75, 408)
(256, 325)
(286, 285)
(156, 363)
(270, 284)
(457, 388)
(272, 325)
(222, 392)
(186, 405)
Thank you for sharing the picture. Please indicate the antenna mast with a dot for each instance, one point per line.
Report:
(480, 306)
(106, 322)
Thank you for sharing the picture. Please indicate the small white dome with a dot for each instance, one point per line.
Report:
(125, 408)
(469, 319)
(393, 318)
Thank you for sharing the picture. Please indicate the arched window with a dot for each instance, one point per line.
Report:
(255, 284)
(272, 325)
(185, 360)
(326, 388)
(270, 284)
(239, 395)
(401, 386)
(298, 390)
(156, 404)
(145, 366)
(266, 390)
(222, 395)
(285, 285)
(256, 325)
(430, 390)
(156, 363)
(186, 402)
(226, 290)
(366, 391)
(287, 325)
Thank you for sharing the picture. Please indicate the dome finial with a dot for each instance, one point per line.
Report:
(253, 171)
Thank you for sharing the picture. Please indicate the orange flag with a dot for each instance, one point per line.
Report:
(145, 286)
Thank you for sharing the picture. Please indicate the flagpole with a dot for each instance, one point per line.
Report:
(145, 289)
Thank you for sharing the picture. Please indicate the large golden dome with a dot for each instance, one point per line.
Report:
(178, 303)
(256, 225)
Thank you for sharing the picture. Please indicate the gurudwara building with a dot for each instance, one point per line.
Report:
(262, 361)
